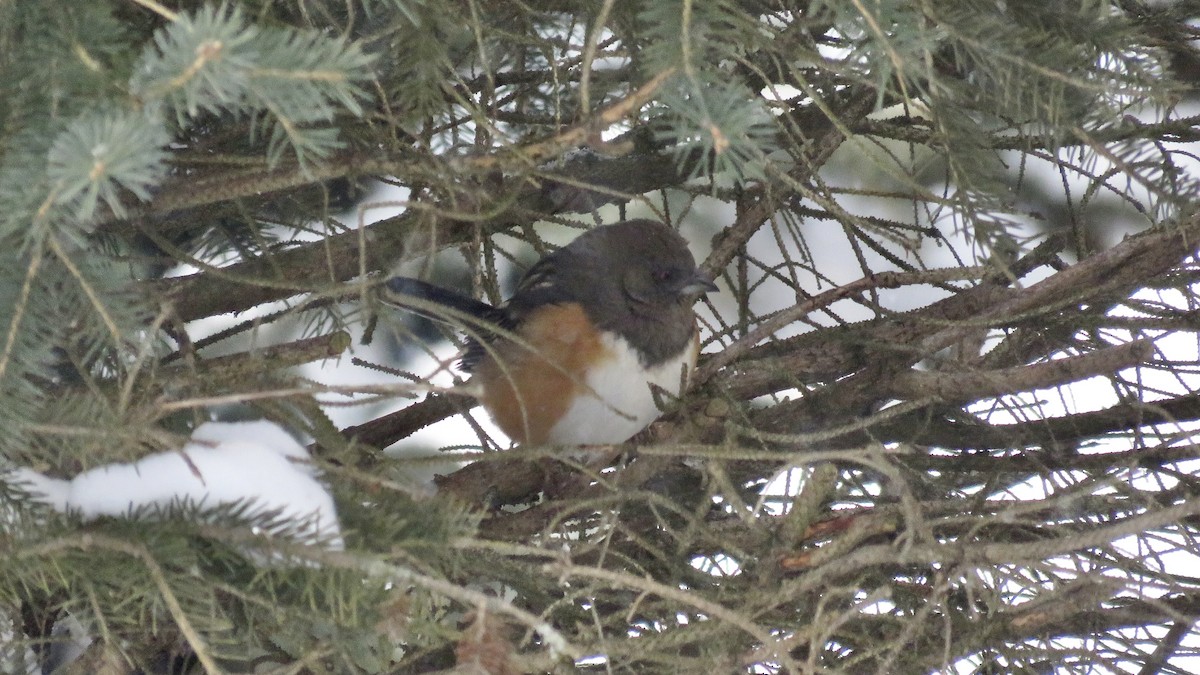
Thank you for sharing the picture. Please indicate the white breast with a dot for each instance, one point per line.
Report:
(620, 403)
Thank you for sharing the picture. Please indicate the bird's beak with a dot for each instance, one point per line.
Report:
(697, 285)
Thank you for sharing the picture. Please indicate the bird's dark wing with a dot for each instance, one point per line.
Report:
(542, 285)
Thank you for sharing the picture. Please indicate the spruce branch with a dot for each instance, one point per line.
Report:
(340, 257)
(959, 387)
(18, 314)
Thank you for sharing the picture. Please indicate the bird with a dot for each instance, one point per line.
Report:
(574, 356)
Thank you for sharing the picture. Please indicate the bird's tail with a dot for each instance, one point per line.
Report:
(434, 302)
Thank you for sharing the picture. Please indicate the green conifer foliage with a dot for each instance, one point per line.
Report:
(944, 419)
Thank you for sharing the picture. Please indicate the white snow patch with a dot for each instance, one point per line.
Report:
(223, 463)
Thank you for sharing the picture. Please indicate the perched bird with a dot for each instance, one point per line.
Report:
(573, 356)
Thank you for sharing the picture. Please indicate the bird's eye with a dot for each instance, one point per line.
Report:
(663, 275)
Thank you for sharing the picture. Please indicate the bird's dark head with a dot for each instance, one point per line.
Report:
(651, 264)
(637, 279)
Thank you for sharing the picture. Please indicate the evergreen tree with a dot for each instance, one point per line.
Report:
(943, 417)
